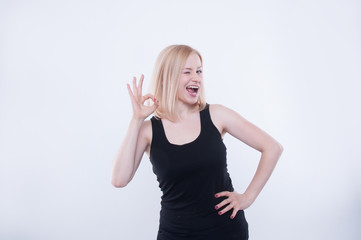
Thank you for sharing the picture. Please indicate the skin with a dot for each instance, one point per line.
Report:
(139, 136)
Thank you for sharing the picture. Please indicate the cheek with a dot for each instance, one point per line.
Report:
(182, 82)
(183, 79)
(180, 88)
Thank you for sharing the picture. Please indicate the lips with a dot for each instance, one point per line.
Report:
(192, 90)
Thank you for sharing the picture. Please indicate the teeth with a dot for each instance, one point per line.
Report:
(193, 87)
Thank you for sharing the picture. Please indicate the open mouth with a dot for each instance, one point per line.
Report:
(193, 90)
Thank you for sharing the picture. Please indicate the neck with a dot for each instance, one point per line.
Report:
(184, 110)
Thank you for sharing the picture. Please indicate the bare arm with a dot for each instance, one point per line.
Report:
(228, 121)
(129, 154)
(137, 138)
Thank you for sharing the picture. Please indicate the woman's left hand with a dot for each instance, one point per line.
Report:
(235, 201)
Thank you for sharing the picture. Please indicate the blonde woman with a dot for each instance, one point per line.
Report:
(184, 141)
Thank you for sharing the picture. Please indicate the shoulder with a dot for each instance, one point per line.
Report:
(224, 117)
(216, 108)
(220, 111)
(218, 114)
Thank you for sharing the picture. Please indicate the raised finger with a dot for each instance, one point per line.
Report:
(131, 95)
(140, 85)
(135, 87)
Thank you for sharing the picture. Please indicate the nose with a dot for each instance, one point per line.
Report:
(195, 77)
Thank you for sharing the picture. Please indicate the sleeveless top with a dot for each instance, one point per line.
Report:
(189, 176)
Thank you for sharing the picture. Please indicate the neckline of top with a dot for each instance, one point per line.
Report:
(187, 143)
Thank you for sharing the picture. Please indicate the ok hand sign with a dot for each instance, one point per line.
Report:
(141, 111)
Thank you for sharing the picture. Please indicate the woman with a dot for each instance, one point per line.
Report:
(184, 140)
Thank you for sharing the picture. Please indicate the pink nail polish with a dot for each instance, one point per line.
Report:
(216, 195)
(220, 213)
(216, 207)
(232, 217)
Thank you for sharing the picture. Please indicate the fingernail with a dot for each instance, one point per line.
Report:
(216, 195)
(220, 213)
(216, 207)
(232, 217)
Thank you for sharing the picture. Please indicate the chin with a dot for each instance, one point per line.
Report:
(189, 101)
(194, 102)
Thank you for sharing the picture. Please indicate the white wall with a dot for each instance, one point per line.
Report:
(291, 67)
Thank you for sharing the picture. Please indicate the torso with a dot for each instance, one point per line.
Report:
(190, 170)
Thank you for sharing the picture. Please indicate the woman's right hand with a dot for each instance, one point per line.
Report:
(141, 111)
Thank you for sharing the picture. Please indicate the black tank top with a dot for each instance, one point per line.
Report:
(189, 176)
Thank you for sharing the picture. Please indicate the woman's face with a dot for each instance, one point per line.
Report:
(190, 80)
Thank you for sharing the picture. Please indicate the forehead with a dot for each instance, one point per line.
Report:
(193, 60)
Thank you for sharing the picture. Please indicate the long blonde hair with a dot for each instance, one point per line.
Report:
(165, 79)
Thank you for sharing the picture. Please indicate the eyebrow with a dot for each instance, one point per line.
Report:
(191, 68)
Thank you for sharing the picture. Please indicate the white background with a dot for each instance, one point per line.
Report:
(293, 68)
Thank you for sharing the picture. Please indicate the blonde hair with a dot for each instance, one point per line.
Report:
(165, 79)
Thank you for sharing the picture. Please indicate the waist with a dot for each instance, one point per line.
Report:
(176, 221)
(187, 196)
(191, 207)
